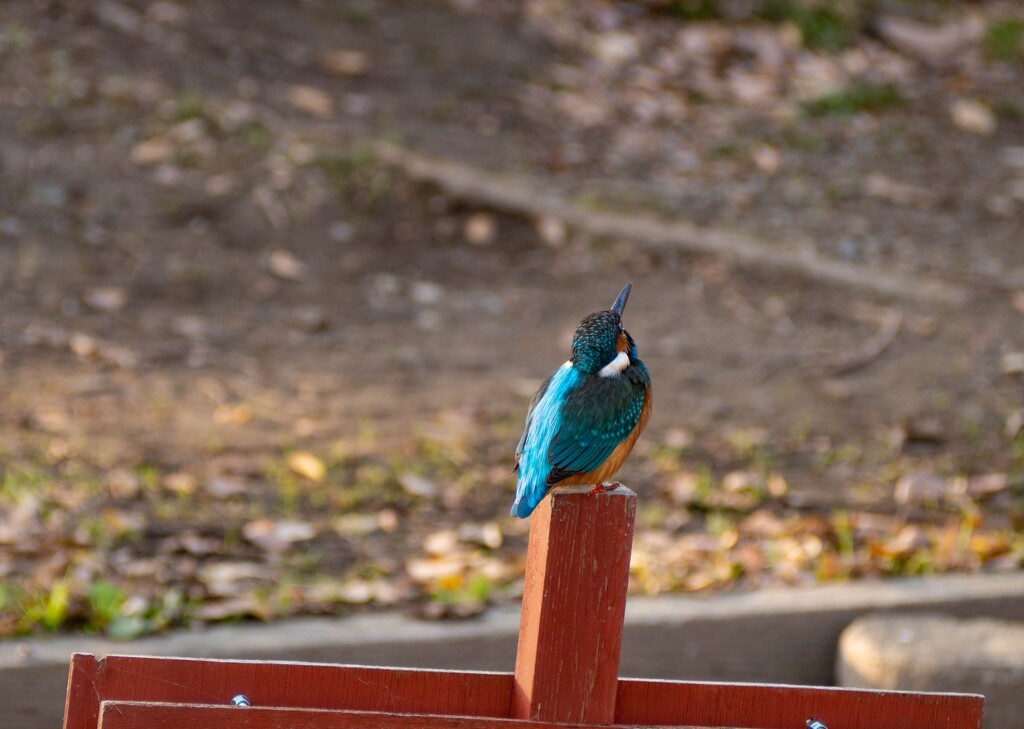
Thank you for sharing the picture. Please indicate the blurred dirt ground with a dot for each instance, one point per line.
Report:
(251, 368)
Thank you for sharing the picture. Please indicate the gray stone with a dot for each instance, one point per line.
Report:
(929, 652)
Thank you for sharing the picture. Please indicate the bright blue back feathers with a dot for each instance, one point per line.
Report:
(542, 424)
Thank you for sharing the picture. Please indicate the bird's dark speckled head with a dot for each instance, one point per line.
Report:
(596, 340)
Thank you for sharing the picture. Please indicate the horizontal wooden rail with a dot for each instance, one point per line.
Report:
(165, 684)
(296, 685)
(150, 715)
(765, 706)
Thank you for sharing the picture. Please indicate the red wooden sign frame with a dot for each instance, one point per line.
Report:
(566, 668)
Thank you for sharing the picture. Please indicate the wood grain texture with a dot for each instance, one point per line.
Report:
(655, 703)
(302, 685)
(574, 598)
(148, 715)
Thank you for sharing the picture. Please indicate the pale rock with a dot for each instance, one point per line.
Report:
(481, 229)
(277, 536)
(341, 232)
(426, 293)
(224, 487)
(880, 186)
(486, 535)
(311, 100)
(123, 484)
(441, 543)
(107, 299)
(167, 13)
(285, 265)
(152, 151)
(938, 653)
(1000, 206)
(168, 175)
(416, 485)
(344, 62)
(356, 525)
(974, 117)
(189, 131)
(119, 16)
(1012, 363)
(552, 230)
(767, 159)
(219, 185)
(435, 569)
(753, 89)
(615, 48)
(310, 318)
(180, 482)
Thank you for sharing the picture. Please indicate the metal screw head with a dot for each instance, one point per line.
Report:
(814, 724)
(243, 700)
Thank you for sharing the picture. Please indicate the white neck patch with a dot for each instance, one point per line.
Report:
(616, 367)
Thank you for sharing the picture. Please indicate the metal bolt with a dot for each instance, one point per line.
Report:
(243, 700)
(814, 724)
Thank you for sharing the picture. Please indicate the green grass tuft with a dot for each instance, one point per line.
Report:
(859, 96)
(1003, 40)
(821, 28)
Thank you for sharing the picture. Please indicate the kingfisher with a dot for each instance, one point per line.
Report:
(585, 419)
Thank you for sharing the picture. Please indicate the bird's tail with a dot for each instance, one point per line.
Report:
(520, 508)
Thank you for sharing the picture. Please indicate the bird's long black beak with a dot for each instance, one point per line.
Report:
(620, 301)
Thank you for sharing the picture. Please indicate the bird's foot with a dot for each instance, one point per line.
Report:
(603, 488)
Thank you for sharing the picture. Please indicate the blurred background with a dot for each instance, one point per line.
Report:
(278, 279)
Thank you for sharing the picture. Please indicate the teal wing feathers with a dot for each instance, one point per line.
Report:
(529, 417)
(542, 423)
(596, 418)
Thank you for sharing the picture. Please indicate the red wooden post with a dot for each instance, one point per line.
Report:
(574, 598)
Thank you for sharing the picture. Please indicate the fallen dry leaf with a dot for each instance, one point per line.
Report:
(974, 117)
(284, 264)
(416, 485)
(105, 298)
(1012, 363)
(987, 485)
(436, 569)
(230, 579)
(235, 607)
(277, 536)
(442, 543)
(344, 62)
(882, 187)
(181, 483)
(307, 465)
(921, 487)
(153, 151)
(552, 230)
(481, 229)
(311, 100)
(936, 45)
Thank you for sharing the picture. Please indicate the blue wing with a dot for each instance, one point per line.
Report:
(542, 424)
(596, 417)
